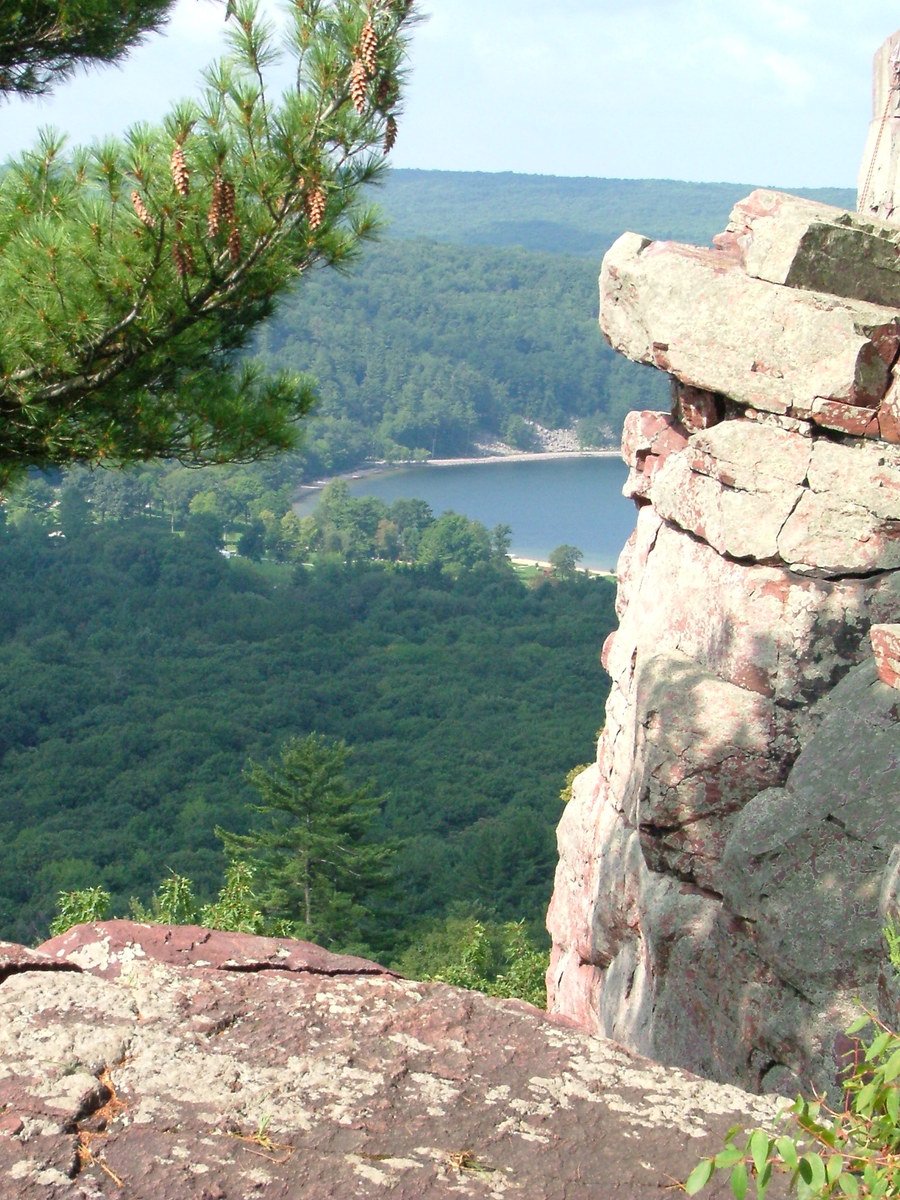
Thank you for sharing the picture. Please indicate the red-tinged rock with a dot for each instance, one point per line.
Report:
(109, 947)
(886, 645)
(716, 666)
(734, 487)
(755, 342)
(328, 1086)
(696, 409)
(847, 517)
(647, 432)
(14, 959)
(845, 418)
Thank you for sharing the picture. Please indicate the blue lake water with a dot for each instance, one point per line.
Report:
(547, 502)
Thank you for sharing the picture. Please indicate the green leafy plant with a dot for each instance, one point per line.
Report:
(235, 909)
(78, 907)
(496, 958)
(173, 904)
(566, 793)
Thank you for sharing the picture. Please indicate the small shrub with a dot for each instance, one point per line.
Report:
(78, 908)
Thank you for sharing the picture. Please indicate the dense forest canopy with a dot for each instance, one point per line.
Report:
(140, 670)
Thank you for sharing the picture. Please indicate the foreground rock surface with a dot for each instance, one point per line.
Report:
(178, 1064)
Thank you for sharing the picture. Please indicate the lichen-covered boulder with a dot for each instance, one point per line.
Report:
(179, 1064)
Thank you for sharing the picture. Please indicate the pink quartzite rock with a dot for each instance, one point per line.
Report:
(762, 493)
(725, 866)
(648, 438)
(803, 244)
(14, 958)
(886, 644)
(110, 947)
(194, 1067)
(698, 315)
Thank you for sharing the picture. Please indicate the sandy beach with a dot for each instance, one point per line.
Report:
(517, 456)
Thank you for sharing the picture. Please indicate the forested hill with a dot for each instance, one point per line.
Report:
(558, 215)
(478, 311)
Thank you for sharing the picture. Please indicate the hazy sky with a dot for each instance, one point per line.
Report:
(771, 92)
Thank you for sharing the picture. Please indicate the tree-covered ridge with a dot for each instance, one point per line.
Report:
(480, 309)
(140, 671)
(427, 348)
(561, 215)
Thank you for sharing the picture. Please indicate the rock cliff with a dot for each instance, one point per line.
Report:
(725, 865)
(179, 1064)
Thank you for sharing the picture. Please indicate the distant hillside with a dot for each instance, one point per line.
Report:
(560, 215)
(479, 309)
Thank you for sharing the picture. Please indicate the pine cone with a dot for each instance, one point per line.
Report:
(368, 48)
(234, 245)
(215, 218)
(140, 208)
(180, 175)
(390, 134)
(315, 207)
(359, 86)
(183, 257)
(227, 202)
(386, 94)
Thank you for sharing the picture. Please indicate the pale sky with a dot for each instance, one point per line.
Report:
(771, 92)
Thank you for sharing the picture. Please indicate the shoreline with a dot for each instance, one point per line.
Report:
(518, 561)
(517, 456)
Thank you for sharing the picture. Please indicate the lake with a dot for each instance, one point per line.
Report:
(547, 502)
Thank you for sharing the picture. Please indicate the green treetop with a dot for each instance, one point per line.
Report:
(315, 864)
(131, 271)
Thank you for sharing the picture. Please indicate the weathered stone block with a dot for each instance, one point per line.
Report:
(696, 314)
(803, 244)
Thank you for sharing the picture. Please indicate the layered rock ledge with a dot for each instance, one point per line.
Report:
(179, 1064)
(725, 866)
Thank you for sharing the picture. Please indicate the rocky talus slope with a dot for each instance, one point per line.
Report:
(727, 864)
(156, 1063)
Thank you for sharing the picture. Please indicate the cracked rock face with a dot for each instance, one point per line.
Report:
(177, 1064)
(725, 866)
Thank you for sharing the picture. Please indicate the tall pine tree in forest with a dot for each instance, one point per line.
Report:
(131, 271)
(315, 864)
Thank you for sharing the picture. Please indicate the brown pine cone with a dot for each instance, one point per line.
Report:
(215, 216)
(359, 86)
(315, 207)
(234, 245)
(390, 134)
(368, 48)
(180, 175)
(183, 257)
(140, 208)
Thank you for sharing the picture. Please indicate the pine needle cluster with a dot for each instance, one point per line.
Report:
(131, 271)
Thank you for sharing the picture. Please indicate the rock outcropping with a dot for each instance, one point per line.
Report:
(725, 866)
(162, 1063)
